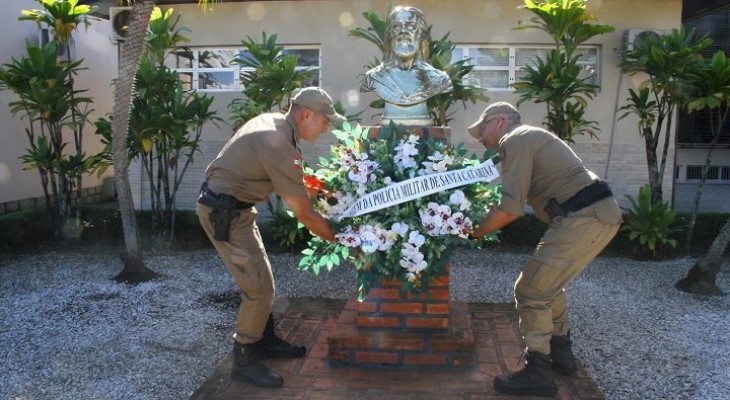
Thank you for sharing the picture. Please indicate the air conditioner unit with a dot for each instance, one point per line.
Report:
(119, 17)
(631, 36)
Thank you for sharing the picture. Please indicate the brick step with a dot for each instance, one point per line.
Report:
(397, 345)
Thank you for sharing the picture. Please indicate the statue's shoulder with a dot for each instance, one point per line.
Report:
(377, 76)
(432, 71)
(377, 71)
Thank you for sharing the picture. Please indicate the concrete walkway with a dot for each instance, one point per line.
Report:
(311, 321)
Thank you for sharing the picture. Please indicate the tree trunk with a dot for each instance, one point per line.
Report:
(701, 279)
(667, 140)
(134, 270)
(717, 121)
(655, 179)
(698, 197)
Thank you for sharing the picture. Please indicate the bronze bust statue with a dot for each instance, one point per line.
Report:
(405, 79)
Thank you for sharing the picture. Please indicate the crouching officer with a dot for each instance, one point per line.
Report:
(262, 158)
(539, 169)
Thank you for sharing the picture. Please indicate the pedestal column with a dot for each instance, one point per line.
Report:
(393, 329)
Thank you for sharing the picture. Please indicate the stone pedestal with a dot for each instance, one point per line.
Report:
(393, 329)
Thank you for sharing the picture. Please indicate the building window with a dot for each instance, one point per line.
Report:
(498, 67)
(215, 69)
(694, 129)
(716, 173)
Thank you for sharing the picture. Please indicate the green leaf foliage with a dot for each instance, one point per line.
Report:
(62, 17)
(166, 122)
(555, 79)
(55, 110)
(399, 229)
(283, 227)
(375, 33)
(566, 21)
(668, 63)
(651, 224)
(711, 84)
(273, 77)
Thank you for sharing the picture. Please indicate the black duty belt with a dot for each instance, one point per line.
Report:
(590, 194)
(221, 200)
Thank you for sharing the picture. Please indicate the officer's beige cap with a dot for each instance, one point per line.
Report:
(318, 100)
(500, 107)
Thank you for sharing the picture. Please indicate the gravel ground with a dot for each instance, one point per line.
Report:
(68, 332)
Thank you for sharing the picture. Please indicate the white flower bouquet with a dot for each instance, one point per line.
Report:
(400, 204)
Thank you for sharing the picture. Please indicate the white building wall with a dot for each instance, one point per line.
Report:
(15, 183)
(714, 193)
(99, 54)
(326, 23)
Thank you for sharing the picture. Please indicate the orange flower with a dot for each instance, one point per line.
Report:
(316, 188)
(312, 182)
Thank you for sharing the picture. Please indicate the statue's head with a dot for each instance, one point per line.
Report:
(406, 37)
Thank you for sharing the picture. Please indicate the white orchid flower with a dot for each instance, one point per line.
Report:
(416, 239)
(400, 228)
(459, 198)
(369, 241)
(348, 238)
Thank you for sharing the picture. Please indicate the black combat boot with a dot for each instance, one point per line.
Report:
(246, 368)
(272, 346)
(536, 379)
(562, 355)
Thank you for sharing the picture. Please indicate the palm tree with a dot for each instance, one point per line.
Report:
(667, 62)
(63, 17)
(134, 269)
(555, 78)
(712, 85)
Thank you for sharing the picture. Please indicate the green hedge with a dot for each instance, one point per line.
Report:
(22, 229)
(527, 231)
(102, 225)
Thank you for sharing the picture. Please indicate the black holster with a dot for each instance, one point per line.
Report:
(225, 209)
(596, 191)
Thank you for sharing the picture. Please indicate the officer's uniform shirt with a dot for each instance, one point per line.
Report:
(260, 159)
(537, 166)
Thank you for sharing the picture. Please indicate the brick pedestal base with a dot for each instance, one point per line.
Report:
(392, 329)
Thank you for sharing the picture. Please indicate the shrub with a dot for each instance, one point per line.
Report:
(102, 225)
(24, 229)
(653, 224)
(285, 230)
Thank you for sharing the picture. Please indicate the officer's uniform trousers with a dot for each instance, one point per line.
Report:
(565, 249)
(245, 258)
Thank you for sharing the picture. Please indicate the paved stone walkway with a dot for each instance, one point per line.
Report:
(310, 321)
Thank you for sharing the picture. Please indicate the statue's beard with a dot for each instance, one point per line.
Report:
(404, 49)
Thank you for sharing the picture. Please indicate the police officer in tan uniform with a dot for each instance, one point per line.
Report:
(260, 159)
(541, 170)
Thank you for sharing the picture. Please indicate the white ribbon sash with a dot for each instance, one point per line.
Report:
(421, 186)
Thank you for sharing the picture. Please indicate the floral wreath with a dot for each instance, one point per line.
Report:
(411, 241)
